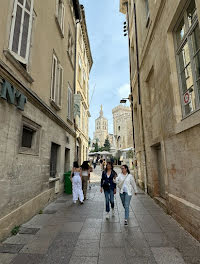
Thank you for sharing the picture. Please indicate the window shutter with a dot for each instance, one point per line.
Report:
(21, 29)
(60, 84)
(53, 79)
(24, 41)
(63, 18)
(16, 33)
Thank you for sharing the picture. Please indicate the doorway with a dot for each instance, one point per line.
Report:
(53, 159)
(67, 160)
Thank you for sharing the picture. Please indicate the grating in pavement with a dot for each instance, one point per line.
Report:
(10, 248)
(30, 231)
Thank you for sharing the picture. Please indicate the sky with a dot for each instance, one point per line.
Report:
(109, 77)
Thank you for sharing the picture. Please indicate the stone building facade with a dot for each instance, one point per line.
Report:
(165, 84)
(101, 129)
(122, 126)
(83, 66)
(37, 135)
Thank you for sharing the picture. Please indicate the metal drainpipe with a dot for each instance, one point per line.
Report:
(131, 89)
(139, 96)
(75, 67)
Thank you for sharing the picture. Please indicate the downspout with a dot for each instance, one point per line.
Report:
(139, 98)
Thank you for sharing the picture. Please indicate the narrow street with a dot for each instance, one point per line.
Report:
(79, 234)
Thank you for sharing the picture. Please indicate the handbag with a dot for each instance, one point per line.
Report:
(119, 185)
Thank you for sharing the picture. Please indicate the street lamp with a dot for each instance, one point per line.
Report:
(130, 98)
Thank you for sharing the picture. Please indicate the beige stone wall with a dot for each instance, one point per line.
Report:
(83, 55)
(169, 142)
(25, 185)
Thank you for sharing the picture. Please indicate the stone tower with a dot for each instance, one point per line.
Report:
(101, 129)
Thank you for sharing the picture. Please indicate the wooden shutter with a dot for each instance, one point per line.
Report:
(53, 78)
(59, 85)
(21, 29)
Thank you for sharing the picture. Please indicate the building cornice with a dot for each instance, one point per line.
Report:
(77, 9)
(34, 98)
(85, 36)
(122, 6)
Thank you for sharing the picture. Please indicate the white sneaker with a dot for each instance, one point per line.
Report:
(113, 212)
(107, 216)
(74, 202)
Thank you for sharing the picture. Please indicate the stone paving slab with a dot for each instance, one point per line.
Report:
(38, 221)
(112, 240)
(10, 248)
(86, 248)
(27, 259)
(20, 239)
(6, 258)
(83, 260)
(112, 256)
(167, 255)
(157, 240)
(74, 227)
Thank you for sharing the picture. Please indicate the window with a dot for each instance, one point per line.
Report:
(70, 47)
(29, 138)
(119, 128)
(21, 25)
(54, 159)
(188, 58)
(147, 8)
(69, 103)
(56, 83)
(60, 15)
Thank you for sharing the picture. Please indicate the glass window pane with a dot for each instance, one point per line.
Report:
(184, 57)
(186, 78)
(189, 102)
(198, 89)
(21, 1)
(196, 39)
(17, 29)
(180, 32)
(28, 5)
(191, 12)
(25, 35)
(197, 65)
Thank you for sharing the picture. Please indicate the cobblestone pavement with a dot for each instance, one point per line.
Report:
(80, 234)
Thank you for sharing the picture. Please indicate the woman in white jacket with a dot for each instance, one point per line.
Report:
(125, 182)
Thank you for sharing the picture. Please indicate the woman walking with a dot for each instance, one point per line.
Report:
(109, 187)
(77, 183)
(85, 177)
(125, 181)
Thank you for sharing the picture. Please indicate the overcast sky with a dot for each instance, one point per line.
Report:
(110, 71)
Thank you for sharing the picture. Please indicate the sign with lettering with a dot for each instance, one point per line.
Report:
(9, 93)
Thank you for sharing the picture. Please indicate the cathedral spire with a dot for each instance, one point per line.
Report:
(101, 111)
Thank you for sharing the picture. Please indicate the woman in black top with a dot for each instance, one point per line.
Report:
(109, 187)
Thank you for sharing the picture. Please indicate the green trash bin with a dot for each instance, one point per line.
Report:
(68, 183)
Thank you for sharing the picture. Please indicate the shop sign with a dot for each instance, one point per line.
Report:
(9, 93)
